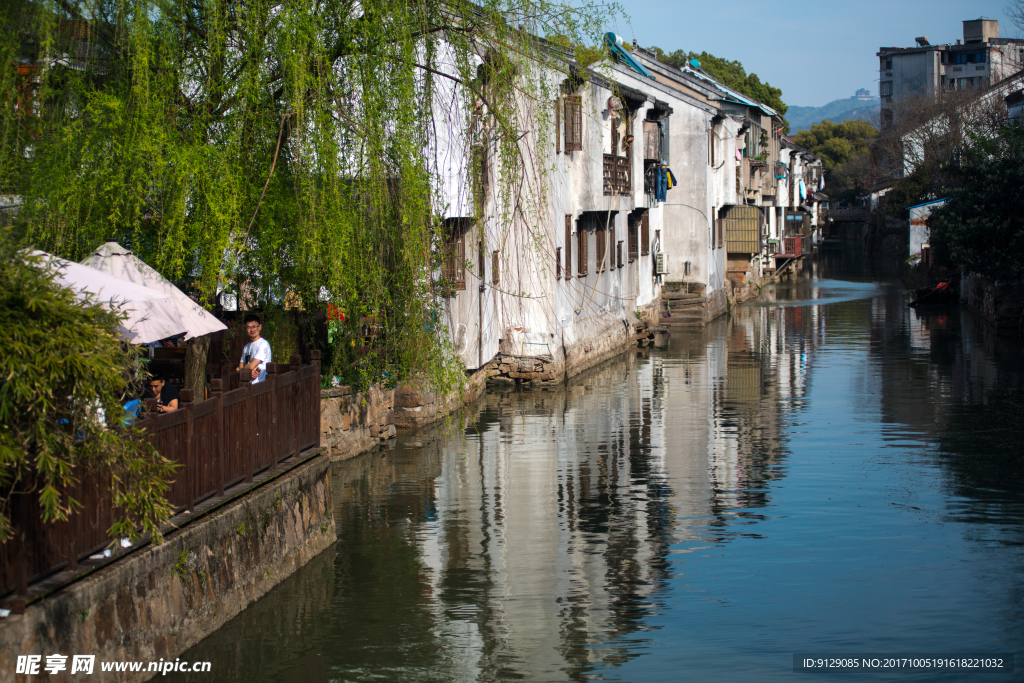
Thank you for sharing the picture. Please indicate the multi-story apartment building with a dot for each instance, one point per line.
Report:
(981, 59)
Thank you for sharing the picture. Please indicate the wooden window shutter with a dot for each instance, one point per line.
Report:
(573, 124)
(633, 239)
(568, 246)
(721, 233)
(454, 269)
(558, 126)
(494, 268)
(652, 140)
(481, 264)
(602, 252)
(558, 263)
(618, 254)
(645, 235)
(581, 246)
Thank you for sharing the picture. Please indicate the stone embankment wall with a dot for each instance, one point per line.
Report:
(567, 361)
(162, 599)
(353, 423)
(1000, 303)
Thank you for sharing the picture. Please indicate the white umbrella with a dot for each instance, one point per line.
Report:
(143, 324)
(193, 319)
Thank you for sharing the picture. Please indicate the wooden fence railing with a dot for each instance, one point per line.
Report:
(218, 443)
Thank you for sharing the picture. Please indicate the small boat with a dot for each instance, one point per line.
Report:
(939, 293)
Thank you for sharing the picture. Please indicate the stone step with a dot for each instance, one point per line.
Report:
(683, 303)
(673, 319)
(680, 295)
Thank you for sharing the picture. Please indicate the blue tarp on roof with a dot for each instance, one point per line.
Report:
(732, 95)
(934, 201)
(612, 41)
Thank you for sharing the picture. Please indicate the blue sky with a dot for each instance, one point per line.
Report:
(815, 51)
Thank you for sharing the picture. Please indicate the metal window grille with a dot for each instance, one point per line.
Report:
(573, 124)
(558, 263)
(568, 246)
(645, 235)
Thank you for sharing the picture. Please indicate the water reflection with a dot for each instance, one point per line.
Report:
(819, 472)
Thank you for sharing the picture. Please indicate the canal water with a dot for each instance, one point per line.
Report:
(826, 471)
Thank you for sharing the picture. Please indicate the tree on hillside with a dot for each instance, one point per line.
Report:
(836, 143)
(843, 148)
(729, 73)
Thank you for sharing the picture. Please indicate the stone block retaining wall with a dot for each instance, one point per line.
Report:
(1000, 303)
(162, 599)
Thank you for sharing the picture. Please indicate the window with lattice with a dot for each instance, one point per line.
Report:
(600, 232)
(568, 246)
(581, 246)
(645, 234)
(633, 235)
(454, 264)
(573, 120)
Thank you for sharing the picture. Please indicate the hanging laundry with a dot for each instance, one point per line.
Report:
(672, 182)
(803, 190)
(739, 154)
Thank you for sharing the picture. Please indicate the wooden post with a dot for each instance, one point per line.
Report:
(217, 393)
(192, 465)
(275, 433)
(314, 396)
(245, 382)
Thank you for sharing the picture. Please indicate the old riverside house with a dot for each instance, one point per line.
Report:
(653, 197)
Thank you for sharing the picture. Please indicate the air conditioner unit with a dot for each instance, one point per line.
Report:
(661, 263)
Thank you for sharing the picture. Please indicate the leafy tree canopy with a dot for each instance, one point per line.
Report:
(729, 73)
(981, 228)
(836, 143)
(62, 367)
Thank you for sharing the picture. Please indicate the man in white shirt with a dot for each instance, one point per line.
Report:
(256, 353)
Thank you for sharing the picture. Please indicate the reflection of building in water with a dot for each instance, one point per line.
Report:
(540, 552)
(763, 367)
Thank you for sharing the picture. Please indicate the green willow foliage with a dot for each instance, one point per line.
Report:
(268, 147)
(60, 363)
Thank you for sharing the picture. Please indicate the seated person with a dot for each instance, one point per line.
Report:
(166, 395)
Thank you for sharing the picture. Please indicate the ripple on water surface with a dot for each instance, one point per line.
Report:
(825, 471)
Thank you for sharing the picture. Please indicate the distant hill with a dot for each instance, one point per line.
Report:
(802, 118)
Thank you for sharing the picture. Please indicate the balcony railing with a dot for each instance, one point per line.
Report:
(616, 175)
(791, 247)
